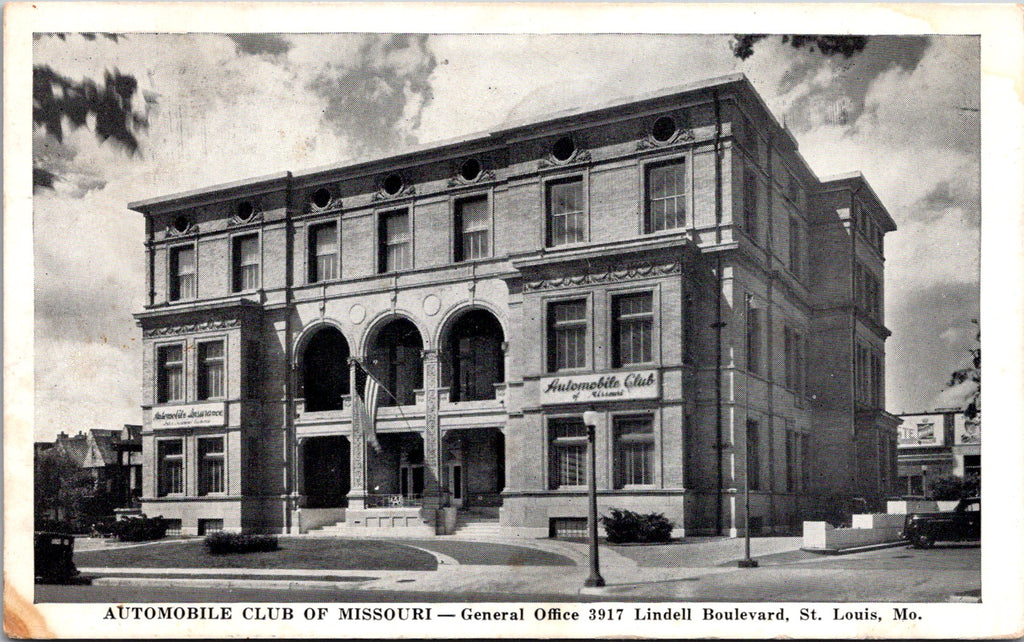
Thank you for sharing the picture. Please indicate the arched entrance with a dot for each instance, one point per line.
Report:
(325, 370)
(473, 357)
(325, 471)
(396, 359)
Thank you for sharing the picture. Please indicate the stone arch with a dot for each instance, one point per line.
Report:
(323, 367)
(394, 354)
(472, 354)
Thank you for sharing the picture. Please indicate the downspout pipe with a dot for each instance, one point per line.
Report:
(291, 443)
(718, 325)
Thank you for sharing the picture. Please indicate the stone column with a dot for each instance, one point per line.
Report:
(357, 452)
(431, 431)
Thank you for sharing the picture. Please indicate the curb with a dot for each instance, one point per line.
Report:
(221, 583)
(854, 549)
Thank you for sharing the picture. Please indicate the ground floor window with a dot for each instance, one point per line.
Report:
(211, 465)
(634, 451)
(173, 527)
(567, 527)
(972, 465)
(568, 452)
(170, 467)
(207, 526)
(912, 484)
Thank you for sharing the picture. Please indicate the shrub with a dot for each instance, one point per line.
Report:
(139, 529)
(952, 487)
(221, 543)
(626, 526)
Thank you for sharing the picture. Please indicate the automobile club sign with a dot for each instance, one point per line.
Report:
(189, 416)
(608, 386)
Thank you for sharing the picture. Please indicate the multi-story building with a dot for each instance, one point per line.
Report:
(937, 444)
(669, 261)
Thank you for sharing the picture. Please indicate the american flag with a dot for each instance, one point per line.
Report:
(365, 404)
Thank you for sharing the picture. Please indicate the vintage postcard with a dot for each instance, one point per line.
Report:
(512, 320)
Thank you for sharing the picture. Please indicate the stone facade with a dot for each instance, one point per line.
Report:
(670, 262)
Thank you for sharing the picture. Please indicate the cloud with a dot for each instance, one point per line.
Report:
(260, 44)
(376, 100)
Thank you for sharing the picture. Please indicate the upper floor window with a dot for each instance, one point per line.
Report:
(867, 291)
(170, 374)
(567, 335)
(634, 452)
(795, 359)
(567, 457)
(395, 241)
(566, 220)
(632, 324)
(211, 465)
(795, 246)
(170, 467)
(750, 189)
(753, 454)
(666, 197)
(245, 263)
(183, 273)
(210, 356)
(472, 228)
(323, 252)
(792, 460)
(753, 336)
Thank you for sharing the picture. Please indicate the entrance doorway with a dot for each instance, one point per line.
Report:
(411, 481)
(454, 482)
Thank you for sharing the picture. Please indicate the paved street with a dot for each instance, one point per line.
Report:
(702, 570)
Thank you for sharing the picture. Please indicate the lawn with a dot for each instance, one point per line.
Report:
(319, 554)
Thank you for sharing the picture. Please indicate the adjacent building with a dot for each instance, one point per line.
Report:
(669, 261)
(937, 444)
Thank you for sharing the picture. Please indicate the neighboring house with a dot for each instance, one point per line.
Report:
(669, 261)
(110, 457)
(937, 444)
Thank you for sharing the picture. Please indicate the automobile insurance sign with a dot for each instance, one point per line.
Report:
(609, 386)
(190, 415)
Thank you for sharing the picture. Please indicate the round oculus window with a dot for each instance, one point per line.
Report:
(470, 169)
(181, 224)
(664, 129)
(244, 211)
(563, 149)
(393, 184)
(321, 197)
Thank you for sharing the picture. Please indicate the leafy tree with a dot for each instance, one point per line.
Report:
(846, 46)
(59, 101)
(971, 373)
(952, 487)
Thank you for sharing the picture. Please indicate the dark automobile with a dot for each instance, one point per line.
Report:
(963, 523)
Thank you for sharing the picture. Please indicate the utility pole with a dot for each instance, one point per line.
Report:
(590, 418)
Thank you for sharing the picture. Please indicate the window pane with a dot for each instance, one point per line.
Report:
(183, 273)
(170, 467)
(566, 221)
(170, 382)
(634, 452)
(211, 370)
(473, 218)
(567, 335)
(397, 243)
(211, 465)
(666, 205)
(568, 452)
(324, 253)
(247, 263)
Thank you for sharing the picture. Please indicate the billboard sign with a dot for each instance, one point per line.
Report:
(921, 431)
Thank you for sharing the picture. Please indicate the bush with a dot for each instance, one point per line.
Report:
(952, 487)
(221, 543)
(139, 529)
(626, 526)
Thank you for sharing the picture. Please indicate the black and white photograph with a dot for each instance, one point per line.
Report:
(520, 328)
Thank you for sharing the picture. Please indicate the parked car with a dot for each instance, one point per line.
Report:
(963, 523)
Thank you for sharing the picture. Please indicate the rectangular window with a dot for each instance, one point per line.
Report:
(877, 381)
(567, 439)
(805, 463)
(170, 374)
(750, 208)
(183, 273)
(395, 240)
(753, 454)
(210, 356)
(634, 452)
(170, 467)
(566, 218)
(472, 228)
(246, 263)
(795, 246)
(792, 461)
(252, 365)
(323, 252)
(632, 323)
(753, 336)
(666, 197)
(794, 349)
(567, 335)
(211, 465)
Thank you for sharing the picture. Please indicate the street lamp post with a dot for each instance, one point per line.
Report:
(590, 418)
(746, 562)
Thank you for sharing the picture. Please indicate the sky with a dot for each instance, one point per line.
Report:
(905, 112)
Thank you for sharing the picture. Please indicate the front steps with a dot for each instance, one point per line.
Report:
(469, 525)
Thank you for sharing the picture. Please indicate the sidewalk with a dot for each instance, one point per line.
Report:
(668, 571)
